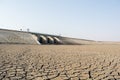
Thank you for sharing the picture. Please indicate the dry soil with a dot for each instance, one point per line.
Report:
(59, 62)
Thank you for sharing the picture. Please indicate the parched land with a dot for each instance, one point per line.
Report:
(59, 62)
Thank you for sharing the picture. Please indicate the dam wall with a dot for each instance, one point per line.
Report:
(22, 37)
(16, 37)
(75, 41)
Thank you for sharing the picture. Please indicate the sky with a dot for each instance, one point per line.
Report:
(87, 19)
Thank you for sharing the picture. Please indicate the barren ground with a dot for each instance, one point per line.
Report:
(59, 62)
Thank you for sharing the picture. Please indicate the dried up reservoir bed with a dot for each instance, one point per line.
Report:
(59, 62)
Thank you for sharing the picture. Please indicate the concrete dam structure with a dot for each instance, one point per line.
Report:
(47, 39)
(23, 37)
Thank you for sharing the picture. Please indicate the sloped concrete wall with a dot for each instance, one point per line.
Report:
(21, 37)
(74, 41)
(7, 36)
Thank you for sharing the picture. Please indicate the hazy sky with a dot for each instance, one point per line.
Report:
(88, 19)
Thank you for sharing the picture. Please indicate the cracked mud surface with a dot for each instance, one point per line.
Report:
(59, 62)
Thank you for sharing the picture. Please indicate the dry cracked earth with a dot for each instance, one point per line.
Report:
(59, 62)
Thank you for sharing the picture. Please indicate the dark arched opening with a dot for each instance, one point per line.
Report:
(57, 40)
(42, 39)
(50, 40)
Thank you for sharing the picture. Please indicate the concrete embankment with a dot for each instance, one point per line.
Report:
(17, 37)
(75, 41)
(22, 37)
